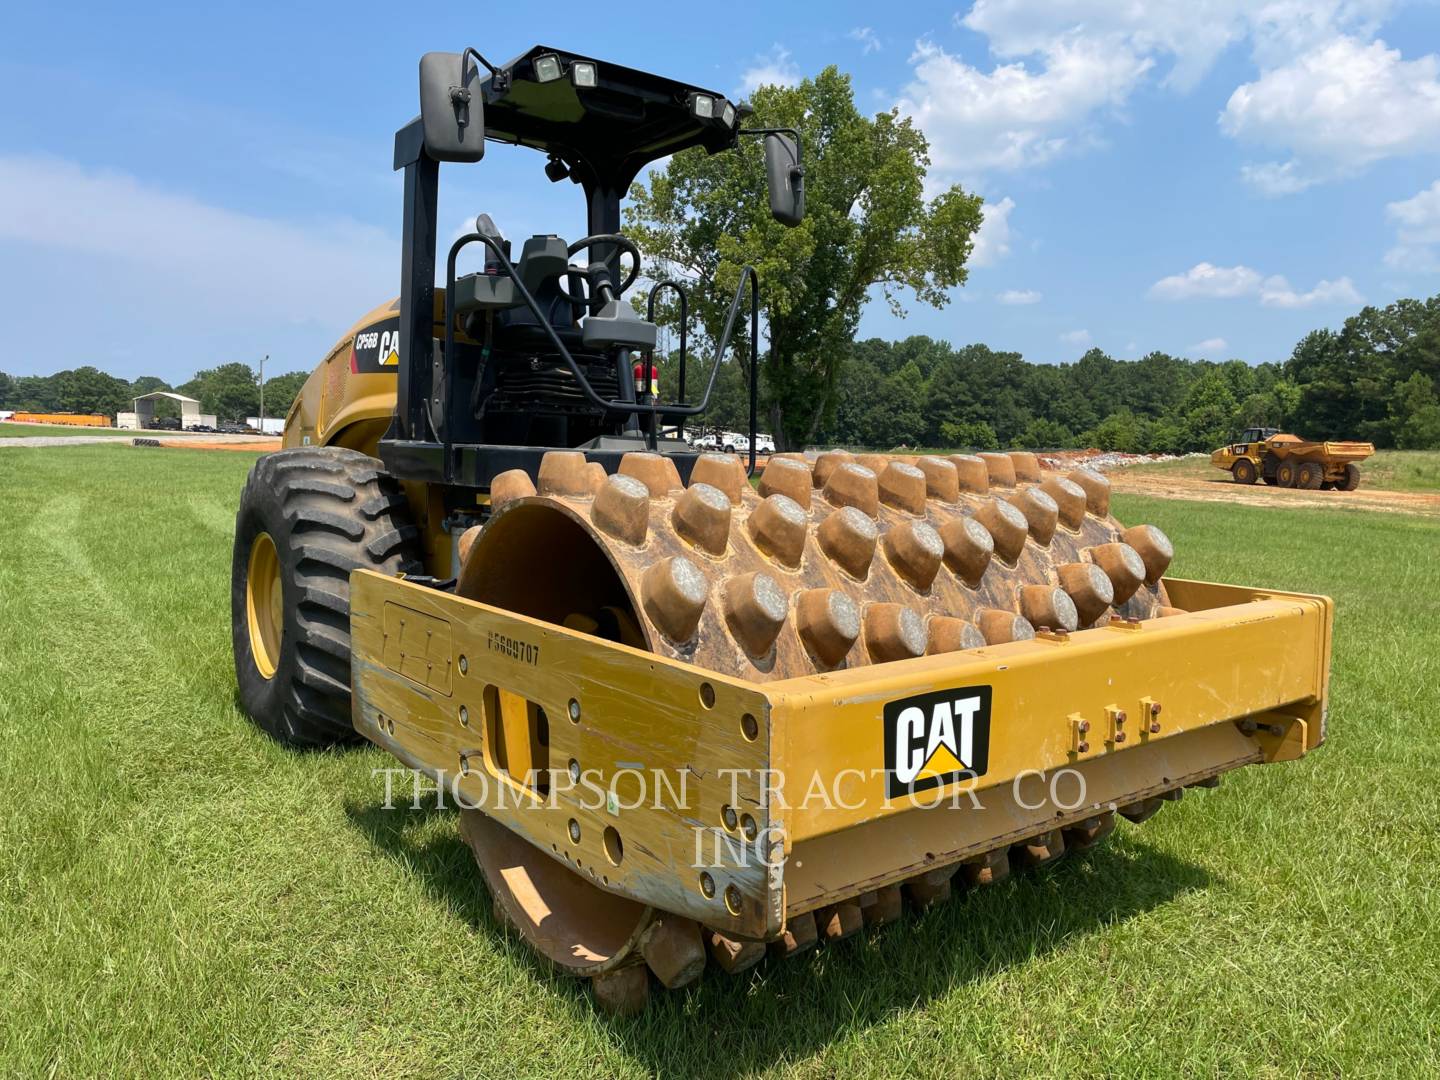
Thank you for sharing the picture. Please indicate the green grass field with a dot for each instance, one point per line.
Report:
(1388, 470)
(180, 896)
(21, 431)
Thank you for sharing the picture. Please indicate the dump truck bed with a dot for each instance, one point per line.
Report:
(1329, 453)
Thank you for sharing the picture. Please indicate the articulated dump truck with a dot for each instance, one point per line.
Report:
(698, 711)
(1290, 461)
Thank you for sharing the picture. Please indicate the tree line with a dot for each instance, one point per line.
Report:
(1377, 378)
(229, 392)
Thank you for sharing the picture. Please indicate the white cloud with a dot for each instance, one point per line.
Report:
(1209, 347)
(1191, 34)
(1277, 178)
(1207, 281)
(1276, 292)
(1336, 109)
(1028, 27)
(992, 242)
(1015, 116)
(1019, 296)
(201, 258)
(1076, 337)
(1062, 64)
(868, 39)
(774, 68)
(1417, 231)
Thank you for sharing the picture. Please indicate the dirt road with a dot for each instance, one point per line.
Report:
(1166, 485)
(253, 443)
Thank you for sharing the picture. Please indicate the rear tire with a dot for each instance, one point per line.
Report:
(1310, 476)
(308, 516)
(1285, 474)
(1244, 471)
(1352, 477)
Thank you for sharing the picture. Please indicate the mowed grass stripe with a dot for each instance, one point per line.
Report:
(180, 895)
(9, 430)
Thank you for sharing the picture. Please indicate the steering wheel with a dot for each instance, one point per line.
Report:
(625, 245)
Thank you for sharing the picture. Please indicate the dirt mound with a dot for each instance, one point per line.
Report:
(253, 446)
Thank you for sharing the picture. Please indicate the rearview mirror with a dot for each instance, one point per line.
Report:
(452, 108)
(786, 177)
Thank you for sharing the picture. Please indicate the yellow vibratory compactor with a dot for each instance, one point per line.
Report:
(696, 718)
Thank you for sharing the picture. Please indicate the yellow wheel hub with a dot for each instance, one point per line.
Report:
(265, 604)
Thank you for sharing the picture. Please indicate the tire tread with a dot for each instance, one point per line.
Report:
(341, 512)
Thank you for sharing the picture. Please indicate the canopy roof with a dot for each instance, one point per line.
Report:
(612, 130)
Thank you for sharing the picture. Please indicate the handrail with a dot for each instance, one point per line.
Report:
(679, 291)
(754, 369)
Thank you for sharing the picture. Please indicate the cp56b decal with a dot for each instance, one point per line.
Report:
(936, 739)
(377, 348)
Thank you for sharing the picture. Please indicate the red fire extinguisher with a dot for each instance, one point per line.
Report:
(640, 388)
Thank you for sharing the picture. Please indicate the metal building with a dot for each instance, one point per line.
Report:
(144, 414)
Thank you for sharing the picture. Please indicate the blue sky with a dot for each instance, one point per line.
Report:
(186, 185)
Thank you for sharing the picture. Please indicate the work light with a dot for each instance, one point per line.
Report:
(547, 68)
(712, 110)
(583, 74)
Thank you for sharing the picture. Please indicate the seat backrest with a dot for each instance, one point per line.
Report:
(542, 259)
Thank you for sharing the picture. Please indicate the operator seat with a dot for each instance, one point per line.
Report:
(542, 265)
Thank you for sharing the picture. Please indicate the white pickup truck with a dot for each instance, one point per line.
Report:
(733, 442)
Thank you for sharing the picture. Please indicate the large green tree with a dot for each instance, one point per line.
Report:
(1415, 412)
(977, 385)
(1121, 430)
(1156, 383)
(1208, 412)
(230, 391)
(78, 390)
(869, 227)
(90, 390)
(280, 391)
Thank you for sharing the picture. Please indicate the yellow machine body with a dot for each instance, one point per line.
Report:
(349, 399)
(350, 396)
(744, 803)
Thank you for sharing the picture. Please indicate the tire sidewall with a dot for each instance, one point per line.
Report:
(262, 698)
